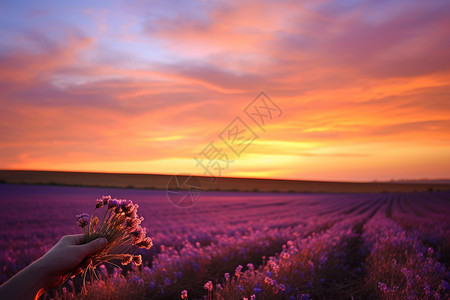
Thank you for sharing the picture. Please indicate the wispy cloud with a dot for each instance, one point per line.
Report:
(144, 88)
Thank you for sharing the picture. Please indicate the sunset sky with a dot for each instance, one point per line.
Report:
(362, 87)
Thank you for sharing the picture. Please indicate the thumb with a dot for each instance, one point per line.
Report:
(93, 246)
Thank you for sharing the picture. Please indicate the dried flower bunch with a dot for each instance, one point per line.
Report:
(120, 225)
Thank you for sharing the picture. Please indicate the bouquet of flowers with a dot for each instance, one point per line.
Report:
(120, 225)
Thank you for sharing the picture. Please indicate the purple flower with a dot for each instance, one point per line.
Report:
(208, 286)
(420, 256)
(238, 271)
(100, 203)
(128, 259)
(114, 203)
(132, 224)
(427, 289)
(382, 286)
(106, 199)
(129, 208)
(445, 285)
(145, 243)
(139, 234)
(82, 219)
(136, 280)
(167, 281)
(268, 281)
(137, 259)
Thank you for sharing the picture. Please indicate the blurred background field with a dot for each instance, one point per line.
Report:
(160, 181)
(265, 245)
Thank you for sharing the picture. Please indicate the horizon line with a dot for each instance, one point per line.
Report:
(400, 180)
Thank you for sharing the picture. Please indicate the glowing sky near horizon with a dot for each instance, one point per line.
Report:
(145, 86)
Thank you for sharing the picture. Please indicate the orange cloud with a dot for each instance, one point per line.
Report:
(363, 88)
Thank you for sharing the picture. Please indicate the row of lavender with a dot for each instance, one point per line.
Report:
(270, 246)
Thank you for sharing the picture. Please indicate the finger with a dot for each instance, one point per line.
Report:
(93, 246)
(74, 239)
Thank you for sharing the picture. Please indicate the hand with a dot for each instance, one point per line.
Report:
(67, 256)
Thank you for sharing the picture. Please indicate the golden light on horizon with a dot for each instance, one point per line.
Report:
(359, 102)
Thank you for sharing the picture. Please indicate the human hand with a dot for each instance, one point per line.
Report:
(68, 255)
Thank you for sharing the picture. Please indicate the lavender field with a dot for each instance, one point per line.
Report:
(234, 245)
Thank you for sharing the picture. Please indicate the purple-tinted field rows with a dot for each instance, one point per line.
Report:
(260, 245)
